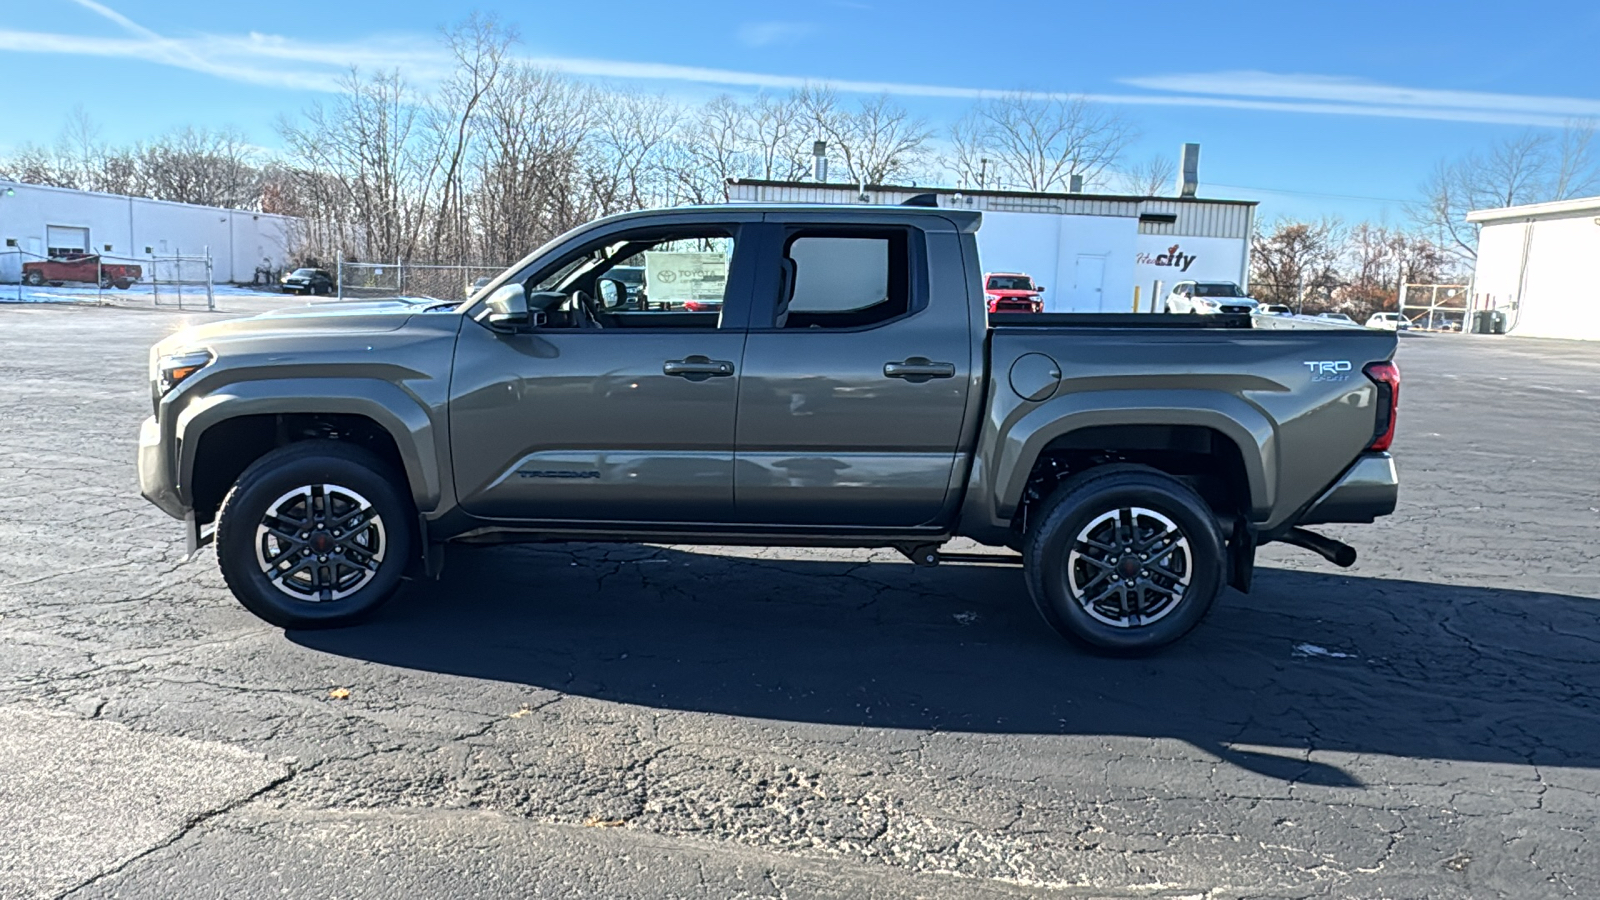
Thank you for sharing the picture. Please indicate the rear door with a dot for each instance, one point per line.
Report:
(855, 381)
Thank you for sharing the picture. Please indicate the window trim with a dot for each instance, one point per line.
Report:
(775, 242)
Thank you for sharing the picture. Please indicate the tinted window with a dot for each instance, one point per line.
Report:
(1217, 290)
(1010, 283)
(841, 280)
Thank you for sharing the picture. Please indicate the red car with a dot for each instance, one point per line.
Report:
(84, 269)
(1012, 292)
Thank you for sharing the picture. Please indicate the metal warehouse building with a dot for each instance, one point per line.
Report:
(1089, 250)
(1536, 264)
(38, 222)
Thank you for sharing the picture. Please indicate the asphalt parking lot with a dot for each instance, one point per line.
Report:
(703, 722)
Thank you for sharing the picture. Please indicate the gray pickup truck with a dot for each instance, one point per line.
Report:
(781, 375)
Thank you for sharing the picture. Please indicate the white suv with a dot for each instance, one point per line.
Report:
(1389, 322)
(1209, 298)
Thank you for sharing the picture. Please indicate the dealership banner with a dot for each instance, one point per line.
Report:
(678, 276)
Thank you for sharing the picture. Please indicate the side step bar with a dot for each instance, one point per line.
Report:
(1337, 552)
(929, 555)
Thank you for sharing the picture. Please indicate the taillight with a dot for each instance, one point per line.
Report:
(1387, 378)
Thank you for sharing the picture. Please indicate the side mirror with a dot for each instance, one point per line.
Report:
(613, 293)
(1039, 288)
(508, 306)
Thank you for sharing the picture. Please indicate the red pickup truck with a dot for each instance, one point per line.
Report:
(85, 269)
(1012, 292)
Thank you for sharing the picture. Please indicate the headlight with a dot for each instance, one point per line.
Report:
(172, 370)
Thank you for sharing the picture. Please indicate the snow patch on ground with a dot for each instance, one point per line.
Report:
(193, 296)
(1323, 652)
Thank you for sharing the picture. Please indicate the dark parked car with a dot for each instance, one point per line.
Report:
(307, 281)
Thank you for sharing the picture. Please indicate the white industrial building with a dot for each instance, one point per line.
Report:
(1089, 250)
(37, 222)
(1536, 265)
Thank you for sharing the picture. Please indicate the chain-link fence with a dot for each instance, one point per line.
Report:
(1435, 307)
(176, 279)
(364, 280)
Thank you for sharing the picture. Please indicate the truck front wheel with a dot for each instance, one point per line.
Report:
(1124, 558)
(314, 535)
(34, 278)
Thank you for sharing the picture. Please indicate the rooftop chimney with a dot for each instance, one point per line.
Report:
(1189, 171)
(1075, 184)
(819, 161)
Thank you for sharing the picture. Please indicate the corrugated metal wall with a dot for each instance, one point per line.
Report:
(1196, 218)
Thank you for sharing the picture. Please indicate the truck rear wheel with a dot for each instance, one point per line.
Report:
(1124, 558)
(314, 535)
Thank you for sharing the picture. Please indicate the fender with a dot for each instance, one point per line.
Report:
(1016, 444)
(399, 413)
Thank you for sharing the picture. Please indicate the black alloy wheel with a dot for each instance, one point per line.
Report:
(1124, 558)
(315, 534)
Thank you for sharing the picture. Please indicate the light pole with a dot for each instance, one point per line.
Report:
(10, 192)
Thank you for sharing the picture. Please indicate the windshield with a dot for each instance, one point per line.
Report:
(305, 271)
(1217, 289)
(1010, 283)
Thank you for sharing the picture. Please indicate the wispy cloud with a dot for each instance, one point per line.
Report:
(306, 65)
(763, 34)
(1357, 91)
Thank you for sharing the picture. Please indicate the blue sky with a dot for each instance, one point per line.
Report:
(1309, 107)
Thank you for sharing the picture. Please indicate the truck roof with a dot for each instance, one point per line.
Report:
(966, 220)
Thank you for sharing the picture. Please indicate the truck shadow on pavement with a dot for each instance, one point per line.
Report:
(1307, 661)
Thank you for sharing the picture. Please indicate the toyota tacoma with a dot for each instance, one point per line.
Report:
(849, 390)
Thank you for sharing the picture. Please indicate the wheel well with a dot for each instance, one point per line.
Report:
(1201, 457)
(227, 448)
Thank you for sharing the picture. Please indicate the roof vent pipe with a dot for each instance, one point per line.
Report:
(819, 161)
(1189, 171)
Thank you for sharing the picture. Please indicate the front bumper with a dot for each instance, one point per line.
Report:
(1367, 491)
(155, 471)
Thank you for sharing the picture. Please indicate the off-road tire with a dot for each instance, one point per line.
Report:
(315, 466)
(1064, 518)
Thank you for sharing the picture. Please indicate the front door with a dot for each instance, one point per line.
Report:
(619, 406)
(855, 384)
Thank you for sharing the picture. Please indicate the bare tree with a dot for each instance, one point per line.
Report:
(198, 165)
(1155, 176)
(1531, 167)
(367, 143)
(479, 47)
(1037, 143)
(778, 133)
(634, 141)
(707, 151)
(1296, 263)
(878, 141)
(532, 165)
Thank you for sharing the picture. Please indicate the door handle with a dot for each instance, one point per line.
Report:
(697, 368)
(918, 369)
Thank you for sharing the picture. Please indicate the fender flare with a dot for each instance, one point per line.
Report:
(397, 412)
(1026, 438)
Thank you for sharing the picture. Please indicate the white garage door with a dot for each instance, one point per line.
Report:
(67, 240)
